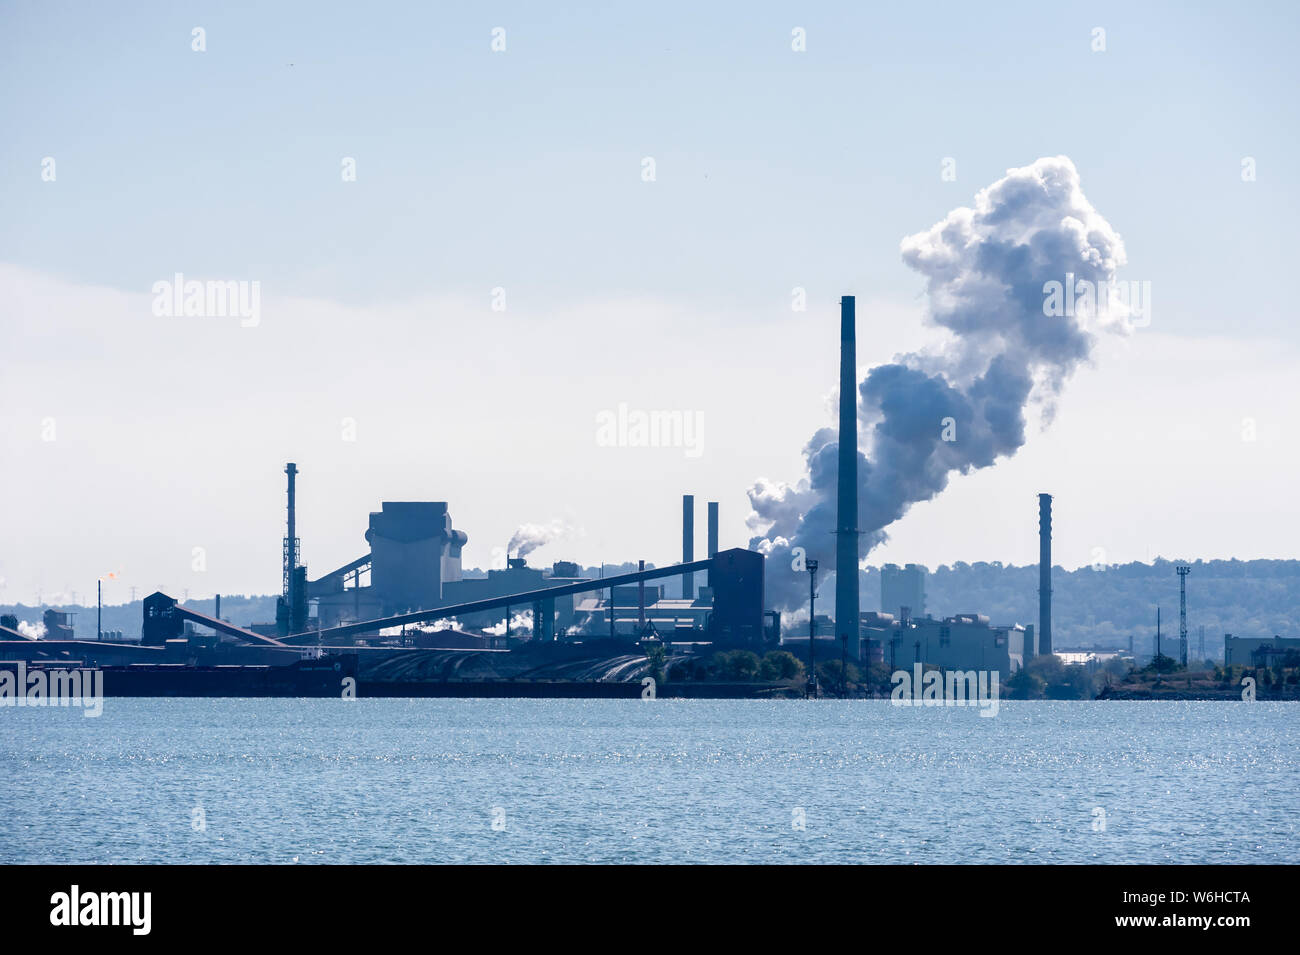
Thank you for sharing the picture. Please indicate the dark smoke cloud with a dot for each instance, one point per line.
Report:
(985, 269)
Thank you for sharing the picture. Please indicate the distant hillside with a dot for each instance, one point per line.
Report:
(1102, 607)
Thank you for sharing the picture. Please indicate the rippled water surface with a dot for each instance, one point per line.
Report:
(283, 781)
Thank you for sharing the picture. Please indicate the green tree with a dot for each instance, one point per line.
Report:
(1162, 664)
(833, 678)
(1048, 668)
(741, 665)
(1074, 683)
(1025, 684)
(780, 665)
(656, 653)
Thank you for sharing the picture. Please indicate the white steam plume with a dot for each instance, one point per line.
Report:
(962, 405)
(529, 537)
(520, 623)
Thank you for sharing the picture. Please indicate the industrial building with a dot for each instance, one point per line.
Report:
(414, 555)
(413, 577)
(1092, 660)
(736, 583)
(59, 625)
(965, 641)
(647, 613)
(549, 615)
(902, 590)
(9, 628)
(414, 564)
(1258, 651)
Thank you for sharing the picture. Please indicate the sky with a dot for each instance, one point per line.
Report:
(452, 322)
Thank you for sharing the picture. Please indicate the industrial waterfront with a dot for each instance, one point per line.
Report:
(683, 435)
(403, 619)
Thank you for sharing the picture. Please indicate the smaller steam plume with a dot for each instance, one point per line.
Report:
(529, 537)
(520, 623)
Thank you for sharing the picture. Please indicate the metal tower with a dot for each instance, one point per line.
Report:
(1183, 571)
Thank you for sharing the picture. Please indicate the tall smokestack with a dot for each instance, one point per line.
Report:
(640, 600)
(290, 542)
(713, 528)
(1044, 573)
(688, 544)
(846, 522)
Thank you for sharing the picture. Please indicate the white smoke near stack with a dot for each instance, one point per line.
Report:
(36, 631)
(529, 537)
(986, 269)
(520, 624)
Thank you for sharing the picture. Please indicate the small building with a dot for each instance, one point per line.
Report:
(1258, 651)
(902, 587)
(965, 641)
(59, 625)
(1093, 660)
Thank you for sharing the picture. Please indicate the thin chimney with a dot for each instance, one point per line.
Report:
(291, 544)
(1045, 573)
(688, 544)
(713, 528)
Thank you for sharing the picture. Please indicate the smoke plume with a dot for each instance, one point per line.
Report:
(962, 404)
(529, 537)
(520, 623)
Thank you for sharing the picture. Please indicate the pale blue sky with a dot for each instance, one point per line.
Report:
(521, 169)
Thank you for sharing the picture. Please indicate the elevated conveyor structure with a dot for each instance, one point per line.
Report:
(736, 577)
(164, 620)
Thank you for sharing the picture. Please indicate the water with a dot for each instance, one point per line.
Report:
(304, 781)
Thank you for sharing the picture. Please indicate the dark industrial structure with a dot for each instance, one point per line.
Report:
(688, 543)
(291, 610)
(417, 601)
(164, 619)
(846, 524)
(735, 580)
(713, 528)
(1045, 573)
(1183, 570)
(415, 552)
